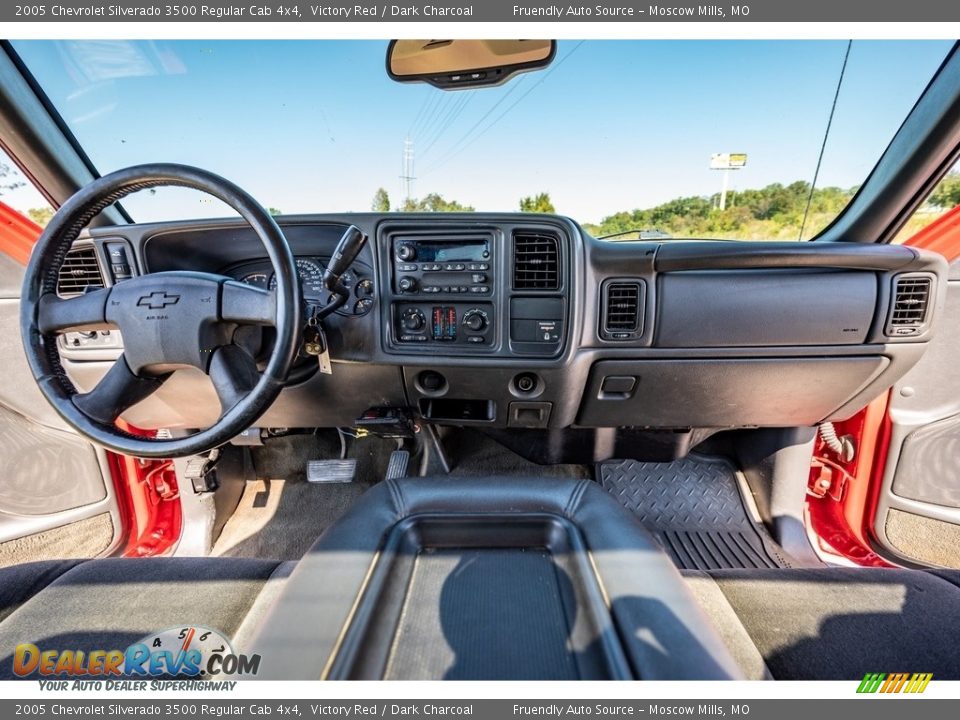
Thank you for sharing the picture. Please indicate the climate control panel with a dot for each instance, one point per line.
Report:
(450, 323)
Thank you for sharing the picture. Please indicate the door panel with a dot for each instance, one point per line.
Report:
(918, 513)
(56, 498)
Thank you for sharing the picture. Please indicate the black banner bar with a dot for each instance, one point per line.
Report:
(898, 11)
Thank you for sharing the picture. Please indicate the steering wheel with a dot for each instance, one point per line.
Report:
(168, 320)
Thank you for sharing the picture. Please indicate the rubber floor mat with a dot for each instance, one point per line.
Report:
(694, 508)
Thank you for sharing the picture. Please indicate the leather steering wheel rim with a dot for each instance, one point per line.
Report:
(40, 287)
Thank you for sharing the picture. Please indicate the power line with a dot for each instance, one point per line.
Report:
(451, 118)
(430, 124)
(429, 100)
(487, 114)
(505, 112)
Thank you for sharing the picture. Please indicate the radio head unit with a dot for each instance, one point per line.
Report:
(443, 265)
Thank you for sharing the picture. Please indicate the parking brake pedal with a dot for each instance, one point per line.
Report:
(331, 471)
(397, 467)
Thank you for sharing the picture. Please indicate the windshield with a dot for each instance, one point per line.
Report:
(659, 139)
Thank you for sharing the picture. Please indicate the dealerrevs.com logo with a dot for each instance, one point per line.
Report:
(894, 682)
(192, 652)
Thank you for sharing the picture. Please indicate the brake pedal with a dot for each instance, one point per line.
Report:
(331, 471)
(397, 467)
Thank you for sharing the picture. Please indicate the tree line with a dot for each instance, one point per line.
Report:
(774, 212)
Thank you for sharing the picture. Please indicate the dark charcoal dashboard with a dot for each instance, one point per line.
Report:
(525, 322)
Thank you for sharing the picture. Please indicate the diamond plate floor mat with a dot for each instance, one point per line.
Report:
(694, 508)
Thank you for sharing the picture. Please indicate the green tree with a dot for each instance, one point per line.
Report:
(275, 211)
(947, 192)
(539, 203)
(434, 202)
(41, 216)
(774, 212)
(381, 201)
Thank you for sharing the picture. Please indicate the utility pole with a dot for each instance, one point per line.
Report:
(407, 176)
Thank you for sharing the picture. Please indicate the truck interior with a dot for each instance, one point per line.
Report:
(371, 444)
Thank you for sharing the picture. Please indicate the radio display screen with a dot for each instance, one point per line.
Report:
(453, 250)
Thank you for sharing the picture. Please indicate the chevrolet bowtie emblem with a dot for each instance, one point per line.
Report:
(158, 300)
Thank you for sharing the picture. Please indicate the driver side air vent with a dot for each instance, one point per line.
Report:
(536, 261)
(908, 309)
(80, 272)
(622, 310)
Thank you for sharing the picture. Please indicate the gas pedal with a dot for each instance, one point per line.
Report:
(331, 471)
(397, 467)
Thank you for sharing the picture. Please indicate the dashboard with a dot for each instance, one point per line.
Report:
(522, 322)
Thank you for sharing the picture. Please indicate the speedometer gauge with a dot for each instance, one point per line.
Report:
(311, 278)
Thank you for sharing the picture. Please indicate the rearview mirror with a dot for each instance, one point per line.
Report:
(456, 64)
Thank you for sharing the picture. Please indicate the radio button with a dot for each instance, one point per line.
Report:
(476, 339)
(479, 278)
(406, 267)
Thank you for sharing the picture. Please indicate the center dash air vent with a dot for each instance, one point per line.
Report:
(908, 309)
(622, 309)
(536, 261)
(80, 272)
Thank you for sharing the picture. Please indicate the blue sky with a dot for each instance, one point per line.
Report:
(316, 126)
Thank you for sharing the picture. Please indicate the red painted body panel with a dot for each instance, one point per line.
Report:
(18, 233)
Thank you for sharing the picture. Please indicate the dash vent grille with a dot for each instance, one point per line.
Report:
(79, 272)
(911, 299)
(536, 261)
(622, 310)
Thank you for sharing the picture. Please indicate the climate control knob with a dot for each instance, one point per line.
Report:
(413, 320)
(406, 253)
(407, 284)
(475, 320)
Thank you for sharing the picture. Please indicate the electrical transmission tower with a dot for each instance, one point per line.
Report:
(407, 176)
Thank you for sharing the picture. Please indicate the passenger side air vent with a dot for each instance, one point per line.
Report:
(622, 310)
(536, 261)
(908, 307)
(79, 272)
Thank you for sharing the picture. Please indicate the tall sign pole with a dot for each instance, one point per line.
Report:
(726, 163)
